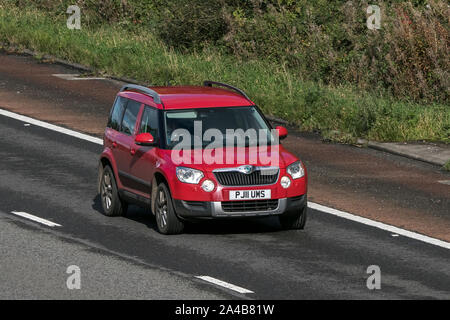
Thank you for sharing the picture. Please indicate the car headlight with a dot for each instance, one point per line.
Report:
(296, 170)
(188, 175)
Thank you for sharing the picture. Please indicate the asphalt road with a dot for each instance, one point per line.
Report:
(35, 263)
(53, 176)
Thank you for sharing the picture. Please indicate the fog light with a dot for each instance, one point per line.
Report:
(285, 182)
(208, 185)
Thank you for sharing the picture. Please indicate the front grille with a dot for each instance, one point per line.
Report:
(249, 205)
(236, 178)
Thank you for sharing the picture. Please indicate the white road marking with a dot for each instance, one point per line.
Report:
(74, 76)
(51, 127)
(36, 219)
(224, 284)
(380, 225)
(444, 182)
(65, 75)
(312, 205)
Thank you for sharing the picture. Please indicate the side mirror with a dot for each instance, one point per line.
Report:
(144, 139)
(282, 132)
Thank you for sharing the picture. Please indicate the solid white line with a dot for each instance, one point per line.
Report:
(312, 205)
(51, 126)
(380, 225)
(36, 219)
(224, 284)
(75, 76)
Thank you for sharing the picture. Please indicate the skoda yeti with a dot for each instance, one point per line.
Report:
(169, 149)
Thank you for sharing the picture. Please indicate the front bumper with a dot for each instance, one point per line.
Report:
(214, 209)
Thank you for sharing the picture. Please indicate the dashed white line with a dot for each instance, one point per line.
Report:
(224, 284)
(312, 205)
(50, 126)
(380, 225)
(36, 219)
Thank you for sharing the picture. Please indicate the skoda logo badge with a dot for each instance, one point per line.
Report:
(246, 169)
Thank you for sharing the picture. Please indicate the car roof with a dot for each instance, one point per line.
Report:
(187, 97)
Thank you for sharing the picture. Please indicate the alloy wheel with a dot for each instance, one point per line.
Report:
(161, 215)
(106, 190)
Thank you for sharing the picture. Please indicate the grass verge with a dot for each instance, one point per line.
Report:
(339, 113)
(447, 165)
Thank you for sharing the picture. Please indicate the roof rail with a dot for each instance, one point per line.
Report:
(144, 90)
(208, 83)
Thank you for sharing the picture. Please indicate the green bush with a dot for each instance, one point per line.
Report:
(326, 41)
(191, 23)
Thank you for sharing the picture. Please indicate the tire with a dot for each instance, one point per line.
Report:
(112, 205)
(166, 220)
(294, 221)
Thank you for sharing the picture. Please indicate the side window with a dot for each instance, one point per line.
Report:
(149, 122)
(117, 113)
(129, 117)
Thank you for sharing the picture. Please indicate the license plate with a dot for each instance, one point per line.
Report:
(249, 194)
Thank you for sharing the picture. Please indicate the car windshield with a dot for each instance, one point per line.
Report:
(225, 126)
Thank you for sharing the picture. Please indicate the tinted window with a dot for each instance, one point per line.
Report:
(149, 122)
(129, 117)
(117, 113)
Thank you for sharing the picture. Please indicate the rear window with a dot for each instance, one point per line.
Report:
(130, 116)
(117, 113)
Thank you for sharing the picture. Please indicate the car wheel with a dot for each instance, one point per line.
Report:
(294, 221)
(111, 202)
(166, 219)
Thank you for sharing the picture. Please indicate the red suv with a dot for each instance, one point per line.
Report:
(164, 149)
